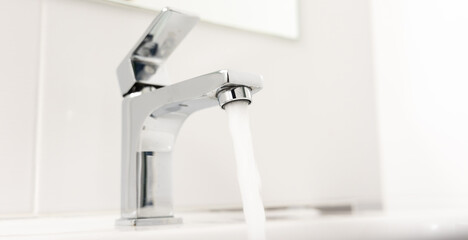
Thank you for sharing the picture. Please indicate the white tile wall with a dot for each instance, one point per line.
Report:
(19, 56)
(314, 123)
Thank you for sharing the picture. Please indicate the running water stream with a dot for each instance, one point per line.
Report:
(247, 173)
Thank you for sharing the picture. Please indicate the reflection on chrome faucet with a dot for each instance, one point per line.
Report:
(152, 115)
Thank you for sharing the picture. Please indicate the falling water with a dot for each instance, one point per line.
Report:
(247, 173)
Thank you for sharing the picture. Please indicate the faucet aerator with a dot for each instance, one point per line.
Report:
(232, 94)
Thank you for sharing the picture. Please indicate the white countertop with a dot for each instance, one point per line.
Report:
(287, 224)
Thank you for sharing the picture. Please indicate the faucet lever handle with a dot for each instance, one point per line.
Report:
(163, 35)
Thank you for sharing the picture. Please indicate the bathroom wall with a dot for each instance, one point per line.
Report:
(19, 68)
(420, 61)
(314, 124)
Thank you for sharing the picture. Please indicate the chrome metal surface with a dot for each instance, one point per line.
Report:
(158, 42)
(232, 94)
(148, 221)
(151, 119)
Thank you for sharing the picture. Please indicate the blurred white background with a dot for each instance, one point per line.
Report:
(366, 108)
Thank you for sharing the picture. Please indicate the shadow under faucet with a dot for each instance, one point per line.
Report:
(152, 115)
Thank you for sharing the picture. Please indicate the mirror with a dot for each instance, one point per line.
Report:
(278, 17)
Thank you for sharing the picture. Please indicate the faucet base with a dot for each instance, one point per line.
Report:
(147, 221)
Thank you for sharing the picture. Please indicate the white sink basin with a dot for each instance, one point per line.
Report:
(297, 224)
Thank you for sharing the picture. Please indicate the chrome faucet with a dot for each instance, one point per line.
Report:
(152, 115)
